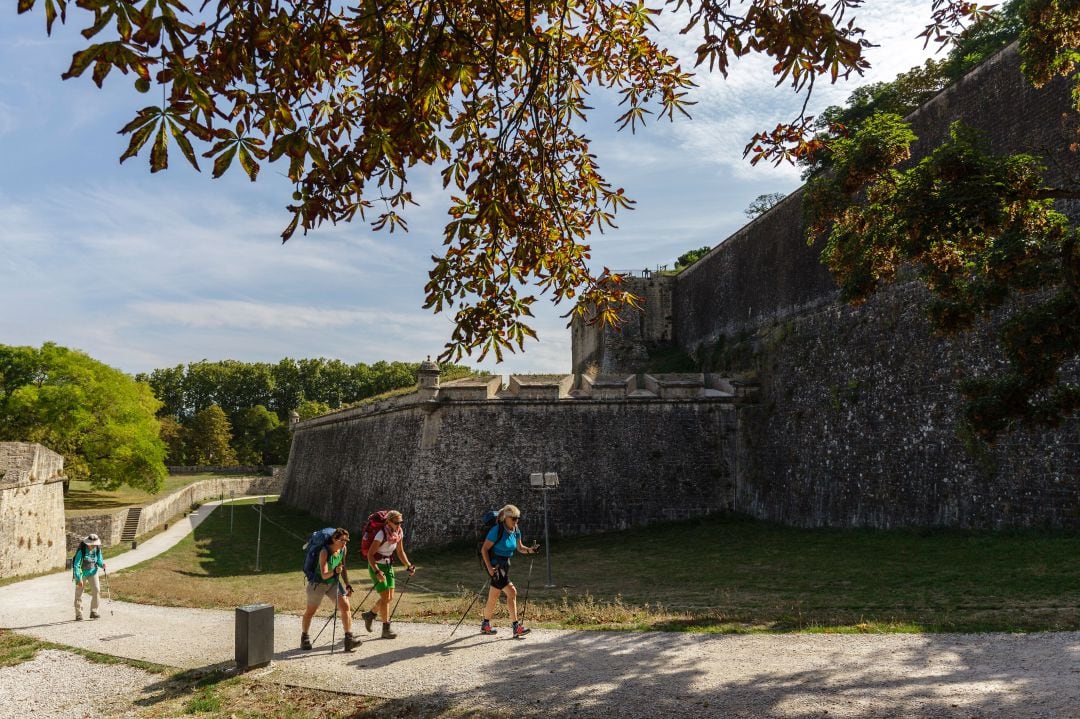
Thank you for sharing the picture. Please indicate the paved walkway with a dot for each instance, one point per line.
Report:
(609, 674)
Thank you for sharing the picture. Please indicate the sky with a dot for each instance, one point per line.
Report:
(144, 271)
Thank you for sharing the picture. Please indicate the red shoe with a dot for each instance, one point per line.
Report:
(520, 630)
(485, 628)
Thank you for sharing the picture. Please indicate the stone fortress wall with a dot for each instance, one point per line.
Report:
(854, 423)
(629, 450)
(857, 423)
(31, 509)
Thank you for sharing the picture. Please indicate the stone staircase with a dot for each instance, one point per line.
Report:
(131, 525)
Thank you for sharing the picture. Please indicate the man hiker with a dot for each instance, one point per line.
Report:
(499, 545)
(385, 541)
(84, 567)
(331, 580)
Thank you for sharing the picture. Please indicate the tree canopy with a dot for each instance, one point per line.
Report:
(348, 97)
(100, 419)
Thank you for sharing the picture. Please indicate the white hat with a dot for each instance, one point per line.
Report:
(92, 540)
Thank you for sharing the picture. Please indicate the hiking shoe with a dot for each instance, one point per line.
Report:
(485, 628)
(78, 617)
(305, 641)
(520, 630)
(387, 633)
(351, 642)
(95, 615)
(369, 620)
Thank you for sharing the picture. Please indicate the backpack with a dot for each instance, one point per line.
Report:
(489, 520)
(81, 548)
(315, 544)
(375, 523)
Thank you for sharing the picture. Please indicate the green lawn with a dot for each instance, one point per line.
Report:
(720, 574)
(84, 499)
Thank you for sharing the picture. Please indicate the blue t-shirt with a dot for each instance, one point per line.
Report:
(505, 546)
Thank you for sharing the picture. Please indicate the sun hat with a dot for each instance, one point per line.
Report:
(92, 540)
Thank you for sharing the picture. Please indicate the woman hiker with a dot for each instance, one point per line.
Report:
(498, 547)
(333, 583)
(387, 541)
(84, 567)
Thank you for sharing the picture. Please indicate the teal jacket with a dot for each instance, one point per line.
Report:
(86, 562)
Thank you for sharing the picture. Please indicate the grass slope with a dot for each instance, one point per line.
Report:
(719, 574)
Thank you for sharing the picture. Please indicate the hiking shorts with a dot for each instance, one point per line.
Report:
(388, 577)
(317, 590)
(501, 578)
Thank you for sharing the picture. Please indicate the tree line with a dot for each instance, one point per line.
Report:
(232, 412)
(113, 428)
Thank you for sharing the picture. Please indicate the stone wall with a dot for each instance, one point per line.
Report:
(31, 509)
(108, 525)
(622, 462)
(599, 350)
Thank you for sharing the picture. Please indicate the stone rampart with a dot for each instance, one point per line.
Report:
(623, 461)
(31, 509)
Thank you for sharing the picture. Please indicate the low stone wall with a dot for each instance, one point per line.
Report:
(31, 509)
(109, 526)
(221, 469)
(156, 514)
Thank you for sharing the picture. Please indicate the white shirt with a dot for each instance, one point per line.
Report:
(386, 550)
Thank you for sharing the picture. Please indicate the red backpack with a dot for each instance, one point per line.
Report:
(375, 523)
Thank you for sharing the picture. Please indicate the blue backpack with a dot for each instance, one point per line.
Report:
(489, 520)
(315, 544)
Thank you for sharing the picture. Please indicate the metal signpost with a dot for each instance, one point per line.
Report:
(232, 507)
(545, 482)
(258, 541)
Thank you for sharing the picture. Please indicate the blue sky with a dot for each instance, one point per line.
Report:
(144, 271)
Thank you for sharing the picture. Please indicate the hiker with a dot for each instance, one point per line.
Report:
(331, 580)
(498, 547)
(84, 567)
(385, 542)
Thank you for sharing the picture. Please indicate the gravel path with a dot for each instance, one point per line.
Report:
(598, 674)
(62, 685)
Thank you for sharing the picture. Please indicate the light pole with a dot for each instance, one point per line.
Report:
(545, 482)
(258, 541)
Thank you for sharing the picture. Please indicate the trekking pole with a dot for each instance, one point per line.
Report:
(528, 583)
(469, 609)
(108, 590)
(361, 604)
(403, 590)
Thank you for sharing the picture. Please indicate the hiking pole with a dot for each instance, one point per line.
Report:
(333, 618)
(528, 583)
(403, 590)
(361, 604)
(108, 590)
(469, 609)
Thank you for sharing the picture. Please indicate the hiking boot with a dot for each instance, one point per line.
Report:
(386, 633)
(485, 627)
(78, 617)
(351, 642)
(95, 615)
(520, 630)
(369, 620)
(305, 641)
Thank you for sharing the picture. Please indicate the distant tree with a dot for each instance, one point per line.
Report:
(310, 408)
(174, 436)
(688, 258)
(100, 419)
(253, 429)
(209, 435)
(762, 204)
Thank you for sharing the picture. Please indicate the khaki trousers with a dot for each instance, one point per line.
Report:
(94, 585)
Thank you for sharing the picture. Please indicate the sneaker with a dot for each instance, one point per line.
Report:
(351, 642)
(369, 620)
(305, 641)
(95, 615)
(386, 633)
(485, 628)
(520, 630)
